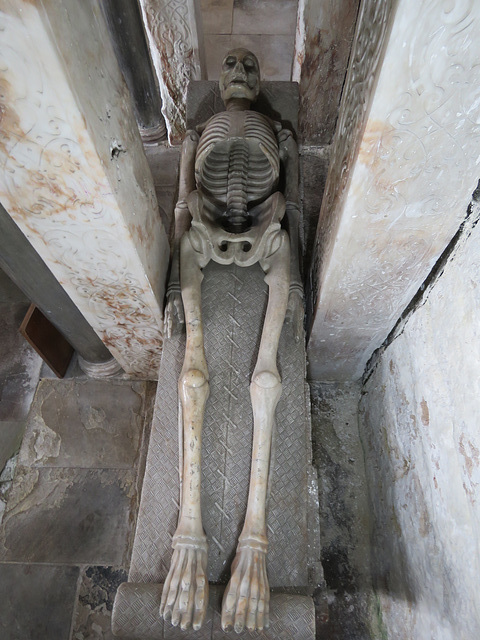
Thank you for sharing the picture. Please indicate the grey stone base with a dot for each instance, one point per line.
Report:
(105, 369)
(233, 307)
(136, 615)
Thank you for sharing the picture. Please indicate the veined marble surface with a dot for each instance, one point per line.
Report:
(74, 176)
(403, 168)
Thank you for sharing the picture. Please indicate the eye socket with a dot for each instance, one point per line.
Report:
(230, 61)
(249, 64)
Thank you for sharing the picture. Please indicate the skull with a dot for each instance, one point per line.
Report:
(240, 77)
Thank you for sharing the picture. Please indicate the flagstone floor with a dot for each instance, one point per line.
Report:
(69, 494)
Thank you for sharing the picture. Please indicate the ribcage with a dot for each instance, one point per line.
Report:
(237, 170)
(237, 165)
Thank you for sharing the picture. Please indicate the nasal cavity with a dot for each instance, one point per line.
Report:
(224, 246)
(247, 246)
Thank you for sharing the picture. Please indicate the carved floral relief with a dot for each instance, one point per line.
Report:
(403, 169)
(174, 43)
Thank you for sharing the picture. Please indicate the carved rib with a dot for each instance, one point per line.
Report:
(216, 129)
(237, 164)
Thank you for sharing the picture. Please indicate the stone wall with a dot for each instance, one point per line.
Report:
(344, 513)
(419, 416)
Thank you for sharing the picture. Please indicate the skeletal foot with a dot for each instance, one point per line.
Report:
(247, 596)
(185, 592)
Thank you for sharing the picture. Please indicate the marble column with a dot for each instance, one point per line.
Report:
(175, 36)
(74, 177)
(403, 167)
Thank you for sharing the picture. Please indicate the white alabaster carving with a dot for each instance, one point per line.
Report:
(175, 38)
(229, 162)
(404, 165)
(55, 187)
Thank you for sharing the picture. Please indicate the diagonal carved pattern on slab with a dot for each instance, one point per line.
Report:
(234, 302)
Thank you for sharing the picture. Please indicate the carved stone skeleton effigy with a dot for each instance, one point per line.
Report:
(230, 211)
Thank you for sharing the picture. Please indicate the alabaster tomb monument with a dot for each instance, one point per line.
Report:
(235, 280)
(230, 211)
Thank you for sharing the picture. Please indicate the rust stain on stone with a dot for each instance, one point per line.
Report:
(425, 412)
(371, 140)
(9, 120)
(472, 457)
(417, 498)
(45, 192)
(58, 182)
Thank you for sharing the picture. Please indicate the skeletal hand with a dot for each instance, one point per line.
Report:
(284, 135)
(295, 313)
(174, 315)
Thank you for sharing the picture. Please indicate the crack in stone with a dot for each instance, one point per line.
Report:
(420, 298)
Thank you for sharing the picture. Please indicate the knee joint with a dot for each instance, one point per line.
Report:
(193, 378)
(266, 379)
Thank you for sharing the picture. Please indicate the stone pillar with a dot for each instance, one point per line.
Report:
(322, 48)
(24, 266)
(124, 21)
(74, 177)
(174, 32)
(403, 165)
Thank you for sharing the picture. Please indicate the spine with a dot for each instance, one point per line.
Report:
(237, 215)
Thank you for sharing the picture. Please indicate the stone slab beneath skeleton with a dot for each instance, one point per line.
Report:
(272, 101)
(233, 304)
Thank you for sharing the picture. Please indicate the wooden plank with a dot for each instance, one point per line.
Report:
(47, 341)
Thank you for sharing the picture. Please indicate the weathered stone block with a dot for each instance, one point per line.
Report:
(93, 608)
(419, 425)
(90, 424)
(69, 516)
(36, 602)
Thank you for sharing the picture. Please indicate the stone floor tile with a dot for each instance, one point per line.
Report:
(6, 481)
(274, 53)
(11, 434)
(84, 423)
(217, 16)
(36, 602)
(19, 365)
(260, 17)
(70, 516)
(93, 610)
